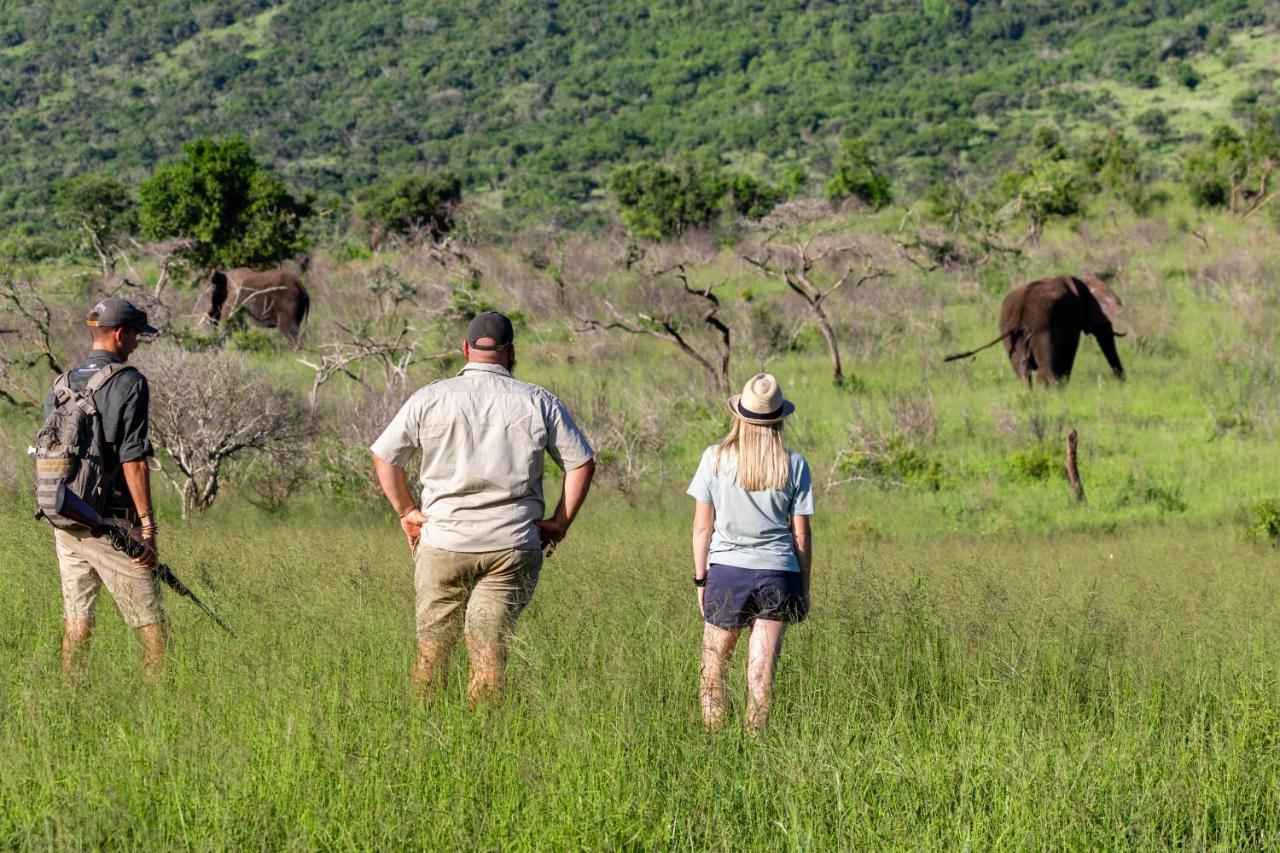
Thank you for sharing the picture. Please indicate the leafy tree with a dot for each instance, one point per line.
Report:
(235, 211)
(1237, 170)
(658, 201)
(1115, 163)
(101, 209)
(1045, 188)
(752, 197)
(1153, 122)
(414, 203)
(858, 174)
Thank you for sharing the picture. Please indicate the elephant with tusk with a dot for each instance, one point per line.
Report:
(1041, 322)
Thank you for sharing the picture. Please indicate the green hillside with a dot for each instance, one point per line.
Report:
(533, 102)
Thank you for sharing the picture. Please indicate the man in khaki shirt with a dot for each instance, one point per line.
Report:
(478, 538)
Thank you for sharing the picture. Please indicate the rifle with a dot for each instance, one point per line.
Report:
(70, 505)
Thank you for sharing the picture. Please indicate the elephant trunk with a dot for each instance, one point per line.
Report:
(1107, 343)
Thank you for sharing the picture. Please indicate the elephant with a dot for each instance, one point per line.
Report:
(274, 299)
(1041, 322)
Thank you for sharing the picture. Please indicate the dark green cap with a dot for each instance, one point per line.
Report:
(116, 313)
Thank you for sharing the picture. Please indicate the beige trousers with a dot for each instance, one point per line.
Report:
(87, 564)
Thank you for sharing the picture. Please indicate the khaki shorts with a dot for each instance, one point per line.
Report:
(87, 564)
(492, 586)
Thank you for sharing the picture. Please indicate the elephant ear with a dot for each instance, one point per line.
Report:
(1102, 306)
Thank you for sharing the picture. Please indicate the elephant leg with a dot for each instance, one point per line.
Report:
(1042, 354)
(1020, 359)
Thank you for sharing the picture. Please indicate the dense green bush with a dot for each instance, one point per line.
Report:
(859, 174)
(413, 203)
(657, 201)
(217, 195)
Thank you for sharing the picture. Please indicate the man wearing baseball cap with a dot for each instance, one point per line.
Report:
(85, 563)
(479, 536)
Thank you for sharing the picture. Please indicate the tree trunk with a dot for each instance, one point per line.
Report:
(833, 349)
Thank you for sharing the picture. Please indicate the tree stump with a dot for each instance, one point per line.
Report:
(1073, 472)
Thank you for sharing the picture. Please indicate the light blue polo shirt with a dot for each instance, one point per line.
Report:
(753, 529)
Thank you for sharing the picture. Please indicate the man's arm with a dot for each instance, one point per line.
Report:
(137, 478)
(395, 485)
(577, 482)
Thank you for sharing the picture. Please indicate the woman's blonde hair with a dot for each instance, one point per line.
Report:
(761, 458)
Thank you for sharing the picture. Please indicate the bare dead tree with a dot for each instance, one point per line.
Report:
(796, 267)
(170, 255)
(26, 338)
(670, 326)
(210, 408)
(394, 349)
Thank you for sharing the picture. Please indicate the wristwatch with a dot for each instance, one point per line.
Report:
(702, 581)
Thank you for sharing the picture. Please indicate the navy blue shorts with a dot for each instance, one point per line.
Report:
(735, 596)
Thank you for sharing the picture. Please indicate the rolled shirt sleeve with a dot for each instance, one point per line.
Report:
(400, 438)
(565, 442)
(134, 443)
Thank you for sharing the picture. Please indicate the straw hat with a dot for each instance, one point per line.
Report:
(761, 401)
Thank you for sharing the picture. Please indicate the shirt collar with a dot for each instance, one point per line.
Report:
(105, 356)
(484, 368)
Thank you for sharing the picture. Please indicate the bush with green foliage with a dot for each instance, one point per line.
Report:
(1236, 170)
(236, 212)
(1116, 164)
(416, 203)
(858, 174)
(99, 207)
(657, 201)
(751, 197)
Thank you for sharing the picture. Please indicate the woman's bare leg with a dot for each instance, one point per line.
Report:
(717, 647)
(762, 659)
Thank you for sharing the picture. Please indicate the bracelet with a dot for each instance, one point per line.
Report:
(702, 581)
(407, 511)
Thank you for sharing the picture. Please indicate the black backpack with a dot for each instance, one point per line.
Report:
(69, 448)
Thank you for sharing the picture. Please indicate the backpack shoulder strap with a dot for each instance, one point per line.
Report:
(103, 376)
(85, 398)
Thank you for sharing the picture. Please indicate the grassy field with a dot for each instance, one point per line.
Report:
(1021, 692)
(988, 664)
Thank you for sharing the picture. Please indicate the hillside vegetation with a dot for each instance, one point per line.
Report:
(534, 102)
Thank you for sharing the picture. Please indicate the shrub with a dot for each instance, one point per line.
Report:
(217, 195)
(1265, 522)
(858, 174)
(412, 204)
(1038, 463)
(658, 202)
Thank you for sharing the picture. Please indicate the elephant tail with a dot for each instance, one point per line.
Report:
(958, 355)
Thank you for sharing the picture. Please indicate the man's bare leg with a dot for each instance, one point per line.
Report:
(74, 641)
(153, 638)
(430, 665)
(717, 647)
(488, 659)
(762, 659)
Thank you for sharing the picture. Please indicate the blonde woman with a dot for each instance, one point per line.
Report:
(752, 547)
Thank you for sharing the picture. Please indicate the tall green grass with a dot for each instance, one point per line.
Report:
(1019, 692)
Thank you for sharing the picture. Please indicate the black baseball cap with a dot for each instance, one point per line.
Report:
(114, 312)
(490, 325)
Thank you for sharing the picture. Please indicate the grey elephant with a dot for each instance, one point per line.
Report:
(1041, 322)
(274, 299)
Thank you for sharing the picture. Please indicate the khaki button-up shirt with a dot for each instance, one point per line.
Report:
(483, 434)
